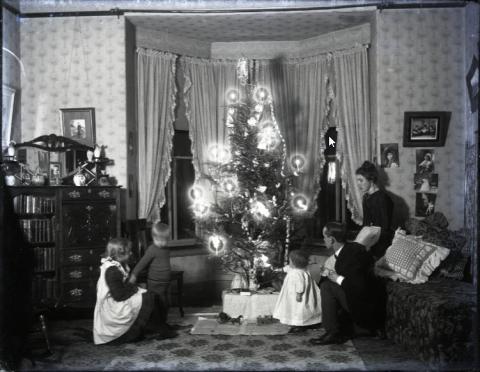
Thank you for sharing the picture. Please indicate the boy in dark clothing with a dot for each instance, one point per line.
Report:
(157, 259)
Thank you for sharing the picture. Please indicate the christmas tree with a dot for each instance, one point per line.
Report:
(247, 222)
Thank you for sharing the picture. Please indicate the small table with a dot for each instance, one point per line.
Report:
(250, 307)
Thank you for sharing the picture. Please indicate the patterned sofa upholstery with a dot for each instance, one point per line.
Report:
(433, 320)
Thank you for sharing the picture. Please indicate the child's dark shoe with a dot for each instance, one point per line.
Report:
(296, 329)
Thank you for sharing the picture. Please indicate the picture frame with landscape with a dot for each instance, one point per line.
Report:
(425, 128)
(78, 124)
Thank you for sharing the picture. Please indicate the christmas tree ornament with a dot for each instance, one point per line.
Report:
(261, 94)
(259, 210)
(195, 192)
(230, 185)
(252, 122)
(233, 97)
(216, 244)
(218, 154)
(297, 163)
(268, 137)
(200, 210)
(258, 108)
(300, 202)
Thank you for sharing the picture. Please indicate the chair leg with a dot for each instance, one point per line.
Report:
(180, 296)
(43, 326)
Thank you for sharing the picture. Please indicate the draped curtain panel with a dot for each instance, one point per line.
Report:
(206, 85)
(156, 92)
(299, 88)
(353, 121)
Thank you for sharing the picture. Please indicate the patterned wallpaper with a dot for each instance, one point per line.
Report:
(76, 62)
(420, 67)
(11, 66)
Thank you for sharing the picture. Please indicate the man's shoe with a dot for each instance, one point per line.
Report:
(328, 339)
(166, 334)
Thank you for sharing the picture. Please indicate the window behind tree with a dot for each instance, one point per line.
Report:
(331, 203)
(176, 210)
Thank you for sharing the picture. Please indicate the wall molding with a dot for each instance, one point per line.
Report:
(167, 42)
(337, 40)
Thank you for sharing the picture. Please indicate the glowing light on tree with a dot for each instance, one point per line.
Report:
(216, 244)
(300, 202)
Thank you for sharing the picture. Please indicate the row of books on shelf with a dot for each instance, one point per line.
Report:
(44, 258)
(37, 230)
(44, 288)
(33, 204)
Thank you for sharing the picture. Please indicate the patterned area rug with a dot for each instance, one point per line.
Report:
(223, 352)
(205, 326)
(74, 350)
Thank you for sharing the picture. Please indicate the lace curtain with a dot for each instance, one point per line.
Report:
(352, 112)
(156, 91)
(206, 84)
(299, 89)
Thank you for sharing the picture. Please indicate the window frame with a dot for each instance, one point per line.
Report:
(172, 207)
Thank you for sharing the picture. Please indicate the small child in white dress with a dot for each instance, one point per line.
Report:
(298, 304)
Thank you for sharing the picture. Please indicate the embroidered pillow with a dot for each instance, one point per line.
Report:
(368, 236)
(412, 259)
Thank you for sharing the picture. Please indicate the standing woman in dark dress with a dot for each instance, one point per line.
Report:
(377, 207)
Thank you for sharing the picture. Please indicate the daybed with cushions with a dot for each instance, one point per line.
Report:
(429, 308)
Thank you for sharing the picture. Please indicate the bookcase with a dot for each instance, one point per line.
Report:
(67, 229)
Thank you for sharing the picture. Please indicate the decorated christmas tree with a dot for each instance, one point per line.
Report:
(247, 222)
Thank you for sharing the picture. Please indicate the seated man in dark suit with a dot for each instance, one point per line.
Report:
(352, 288)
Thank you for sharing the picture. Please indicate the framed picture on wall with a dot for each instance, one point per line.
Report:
(55, 173)
(425, 128)
(8, 95)
(79, 124)
(425, 204)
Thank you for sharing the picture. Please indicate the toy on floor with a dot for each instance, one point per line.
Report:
(225, 318)
(267, 319)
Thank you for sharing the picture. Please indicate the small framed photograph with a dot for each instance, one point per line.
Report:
(390, 158)
(55, 173)
(426, 182)
(425, 204)
(425, 160)
(425, 128)
(78, 124)
(8, 96)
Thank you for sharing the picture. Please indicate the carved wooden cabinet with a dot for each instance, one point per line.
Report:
(82, 221)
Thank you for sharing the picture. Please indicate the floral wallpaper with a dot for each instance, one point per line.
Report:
(76, 62)
(420, 67)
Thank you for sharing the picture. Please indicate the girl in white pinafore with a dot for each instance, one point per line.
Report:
(299, 301)
(112, 317)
